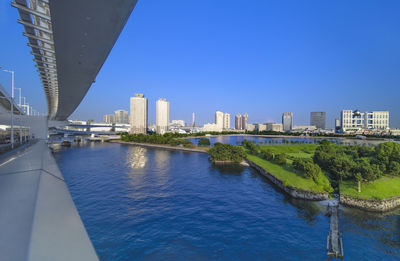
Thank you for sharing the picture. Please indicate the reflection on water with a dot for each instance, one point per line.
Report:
(162, 158)
(136, 157)
(384, 227)
(227, 168)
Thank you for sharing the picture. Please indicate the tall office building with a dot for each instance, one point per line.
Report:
(139, 114)
(219, 119)
(287, 121)
(109, 118)
(375, 120)
(193, 122)
(238, 121)
(245, 121)
(227, 121)
(162, 116)
(337, 125)
(121, 116)
(317, 119)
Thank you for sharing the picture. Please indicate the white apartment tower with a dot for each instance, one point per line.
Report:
(238, 119)
(162, 116)
(227, 121)
(219, 119)
(245, 121)
(138, 114)
(121, 116)
(374, 120)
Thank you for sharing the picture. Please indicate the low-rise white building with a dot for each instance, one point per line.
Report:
(278, 127)
(211, 127)
(354, 121)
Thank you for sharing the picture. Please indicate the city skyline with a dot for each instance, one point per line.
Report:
(314, 73)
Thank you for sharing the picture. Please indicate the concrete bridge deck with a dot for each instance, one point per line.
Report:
(38, 219)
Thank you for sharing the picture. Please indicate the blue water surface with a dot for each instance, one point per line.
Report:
(152, 204)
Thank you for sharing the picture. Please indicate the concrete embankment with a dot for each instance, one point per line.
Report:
(294, 192)
(369, 204)
(158, 146)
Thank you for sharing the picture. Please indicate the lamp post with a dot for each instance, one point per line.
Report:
(20, 116)
(12, 106)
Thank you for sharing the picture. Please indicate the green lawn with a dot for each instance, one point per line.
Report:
(296, 150)
(289, 176)
(382, 188)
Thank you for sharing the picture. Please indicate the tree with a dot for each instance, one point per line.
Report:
(281, 158)
(394, 168)
(359, 178)
(203, 142)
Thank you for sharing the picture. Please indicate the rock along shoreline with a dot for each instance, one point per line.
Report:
(294, 192)
(383, 205)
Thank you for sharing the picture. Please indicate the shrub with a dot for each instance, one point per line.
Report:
(203, 142)
(281, 158)
(267, 154)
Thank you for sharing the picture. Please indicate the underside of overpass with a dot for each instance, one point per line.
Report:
(70, 41)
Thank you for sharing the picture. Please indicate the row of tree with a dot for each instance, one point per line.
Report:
(166, 139)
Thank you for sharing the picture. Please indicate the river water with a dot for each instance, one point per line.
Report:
(152, 204)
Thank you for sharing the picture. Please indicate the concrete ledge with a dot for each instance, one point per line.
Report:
(38, 219)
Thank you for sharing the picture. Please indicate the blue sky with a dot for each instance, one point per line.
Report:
(259, 57)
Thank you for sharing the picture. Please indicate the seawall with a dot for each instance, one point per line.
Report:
(369, 204)
(158, 146)
(294, 192)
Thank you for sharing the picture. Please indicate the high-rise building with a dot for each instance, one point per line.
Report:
(109, 118)
(227, 121)
(287, 121)
(375, 120)
(317, 119)
(139, 114)
(219, 119)
(337, 125)
(193, 122)
(238, 121)
(245, 121)
(162, 116)
(121, 116)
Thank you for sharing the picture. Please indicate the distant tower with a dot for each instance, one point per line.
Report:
(317, 119)
(219, 119)
(227, 121)
(138, 114)
(245, 121)
(193, 122)
(287, 121)
(162, 116)
(238, 123)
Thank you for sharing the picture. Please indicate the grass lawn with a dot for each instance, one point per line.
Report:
(295, 150)
(288, 175)
(382, 188)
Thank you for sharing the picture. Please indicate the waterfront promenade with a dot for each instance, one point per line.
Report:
(38, 219)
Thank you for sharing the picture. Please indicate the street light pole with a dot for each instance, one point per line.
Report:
(12, 107)
(20, 116)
